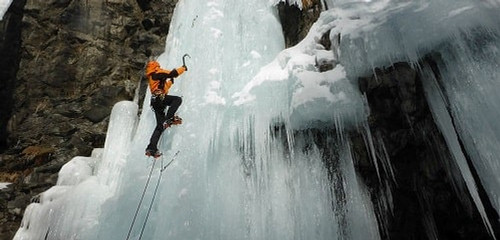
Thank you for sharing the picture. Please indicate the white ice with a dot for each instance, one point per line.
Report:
(4, 5)
(4, 185)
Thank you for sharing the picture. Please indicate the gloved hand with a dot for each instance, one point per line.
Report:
(185, 67)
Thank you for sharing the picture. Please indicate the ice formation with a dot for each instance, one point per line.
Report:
(4, 5)
(248, 166)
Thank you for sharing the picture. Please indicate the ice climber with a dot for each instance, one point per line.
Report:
(160, 81)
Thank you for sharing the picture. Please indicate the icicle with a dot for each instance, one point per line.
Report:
(363, 222)
(444, 122)
(367, 136)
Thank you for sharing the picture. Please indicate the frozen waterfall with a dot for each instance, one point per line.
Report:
(249, 163)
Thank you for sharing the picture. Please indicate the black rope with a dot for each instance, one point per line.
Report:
(47, 234)
(140, 202)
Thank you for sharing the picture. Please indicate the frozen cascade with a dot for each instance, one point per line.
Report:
(83, 185)
(464, 38)
(444, 121)
(250, 164)
(469, 70)
(241, 171)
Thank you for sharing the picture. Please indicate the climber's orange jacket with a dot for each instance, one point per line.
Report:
(160, 80)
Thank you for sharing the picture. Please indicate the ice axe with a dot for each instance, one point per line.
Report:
(184, 60)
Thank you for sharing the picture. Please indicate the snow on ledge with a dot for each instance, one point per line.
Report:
(4, 185)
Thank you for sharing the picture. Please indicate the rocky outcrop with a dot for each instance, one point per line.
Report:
(296, 22)
(67, 63)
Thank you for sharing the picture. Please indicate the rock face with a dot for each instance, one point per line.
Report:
(297, 22)
(67, 63)
(10, 34)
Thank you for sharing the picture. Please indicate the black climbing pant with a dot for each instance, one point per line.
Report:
(159, 105)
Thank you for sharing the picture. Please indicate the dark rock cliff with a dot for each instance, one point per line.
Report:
(10, 35)
(64, 64)
(295, 21)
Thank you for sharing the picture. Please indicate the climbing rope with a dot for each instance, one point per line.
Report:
(162, 168)
(156, 190)
(171, 160)
(152, 200)
(140, 202)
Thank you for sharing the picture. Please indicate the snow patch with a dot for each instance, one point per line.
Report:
(4, 185)
(301, 92)
(4, 6)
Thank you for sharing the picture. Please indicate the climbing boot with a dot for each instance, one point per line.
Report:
(175, 120)
(153, 153)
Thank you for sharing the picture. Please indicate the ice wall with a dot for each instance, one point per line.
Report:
(445, 123)
(462, 37)
(236, 174)
(468, 78)
(301, 93)
(383, 32)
